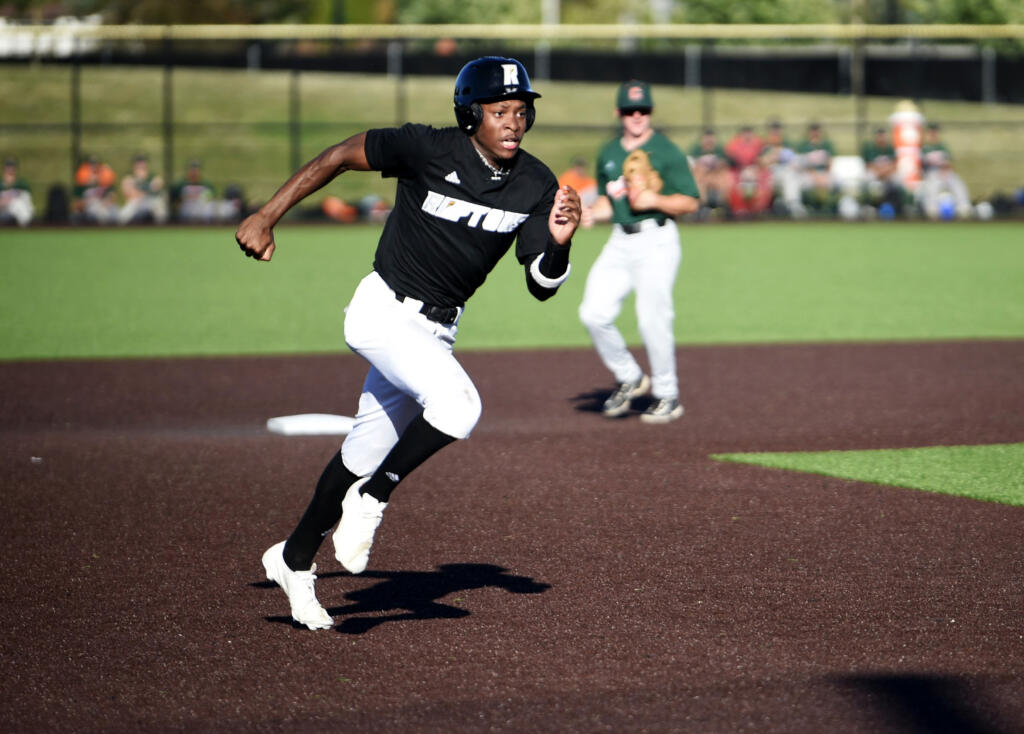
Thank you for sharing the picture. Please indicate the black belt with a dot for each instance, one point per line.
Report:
(438, 314)
(635, 227)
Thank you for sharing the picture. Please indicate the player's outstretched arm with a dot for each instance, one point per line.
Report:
(675, 205)
(255, 234)
(565, 215)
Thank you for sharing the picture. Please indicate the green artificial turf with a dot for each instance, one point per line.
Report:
(167, 291)
(991, 473)
(93, 292)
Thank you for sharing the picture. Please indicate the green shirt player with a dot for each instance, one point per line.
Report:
(644, 182)
(711, 169)
(815, 152)
(934, 153)
(879, 152)
(882, 182)
(942, 193)
(15, 196)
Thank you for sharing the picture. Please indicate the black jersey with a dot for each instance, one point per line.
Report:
(452, 221)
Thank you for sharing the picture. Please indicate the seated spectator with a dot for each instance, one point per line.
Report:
(580, 179)
(93, 199)
(744, 148)
(883, 184)
(711, 171)
(370, 208)
(817, 190)
(192, 199)
(751, 191)
(778, 156)
(143, 193)
(942, 193)
(16, 205)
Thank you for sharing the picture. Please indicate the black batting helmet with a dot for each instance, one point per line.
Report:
(489, 79)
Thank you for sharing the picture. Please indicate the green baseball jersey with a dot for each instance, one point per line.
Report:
(665, 158)
(145, 185)
(934, 155)
(19, 184)
(709, 158)
(816, 154)
(871, 151)
(192, 190)
(777, 152)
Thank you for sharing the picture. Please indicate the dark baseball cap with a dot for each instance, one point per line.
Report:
(635, 95)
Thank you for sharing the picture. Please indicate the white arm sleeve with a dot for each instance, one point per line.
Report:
(542, 279)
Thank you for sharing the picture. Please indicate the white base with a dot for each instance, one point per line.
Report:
(311, 424)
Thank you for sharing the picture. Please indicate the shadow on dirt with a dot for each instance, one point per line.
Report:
(416, 595)
(926, 704)
(593, 402)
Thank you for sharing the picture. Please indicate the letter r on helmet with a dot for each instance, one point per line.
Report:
(511, 75)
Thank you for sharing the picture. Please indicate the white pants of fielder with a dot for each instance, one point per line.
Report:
(647, 263)
(412, 368)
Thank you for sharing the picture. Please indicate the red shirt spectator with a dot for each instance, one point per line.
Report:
(744, 148)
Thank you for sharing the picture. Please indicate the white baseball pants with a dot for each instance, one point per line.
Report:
(647, 263)
(412, 367)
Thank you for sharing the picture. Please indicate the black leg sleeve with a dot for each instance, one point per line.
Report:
(323, 513)
(418, 443)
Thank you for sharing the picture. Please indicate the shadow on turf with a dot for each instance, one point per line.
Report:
(415, 595)
(925, 704)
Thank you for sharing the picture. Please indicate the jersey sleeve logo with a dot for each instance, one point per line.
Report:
(617, 189)
(476, 215)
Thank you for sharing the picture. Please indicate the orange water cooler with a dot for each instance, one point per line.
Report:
(907, 124)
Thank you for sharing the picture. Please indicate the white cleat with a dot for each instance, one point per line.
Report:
(619, 402)
(298, 585)
(665, 410)
(360, 516)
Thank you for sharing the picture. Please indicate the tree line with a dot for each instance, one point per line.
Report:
(523, 11)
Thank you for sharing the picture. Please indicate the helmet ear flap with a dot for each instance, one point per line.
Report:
(469, 117)
(531, 115)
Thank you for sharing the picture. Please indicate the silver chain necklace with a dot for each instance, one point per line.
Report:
(496, 173)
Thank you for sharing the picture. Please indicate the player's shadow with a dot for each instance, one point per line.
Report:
(593, 402)
(925, 704)
(413, 595)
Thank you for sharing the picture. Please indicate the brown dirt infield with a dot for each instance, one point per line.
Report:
(556, 572)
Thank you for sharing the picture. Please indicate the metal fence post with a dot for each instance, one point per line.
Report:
(707, 105)
(395, 53)
(542, 60)
(76, 110)
(295, 119)
(168, 109)
(857, 90)
(692, 68)
(988, 75)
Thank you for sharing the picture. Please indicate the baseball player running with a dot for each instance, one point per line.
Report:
(645, 182)
(463, 195)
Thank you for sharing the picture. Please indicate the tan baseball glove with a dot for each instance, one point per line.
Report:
(639, 173)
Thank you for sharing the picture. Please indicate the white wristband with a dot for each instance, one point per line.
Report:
(542, 279)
